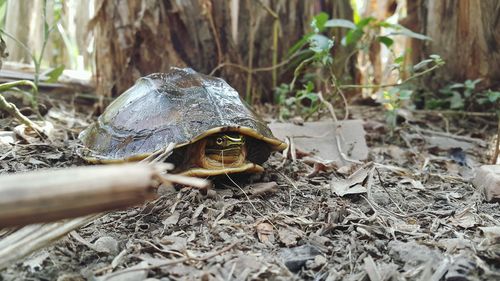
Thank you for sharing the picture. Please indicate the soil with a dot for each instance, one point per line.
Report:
(417, 216)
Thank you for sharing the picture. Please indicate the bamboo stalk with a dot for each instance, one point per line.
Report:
(34, 237)
(48, 195)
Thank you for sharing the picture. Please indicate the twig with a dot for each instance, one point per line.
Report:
(184, 180)
(160, 155)
(342, 95)
(382, 184)
(175, 261)
(34, 237)
(298, 69)
(342, 154)
(455, 112)
(494, 159)
(254, 70)
(13, 110)
(457, 137)
(393, 84)
(328, 105)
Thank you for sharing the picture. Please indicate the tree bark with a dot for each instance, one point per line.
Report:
(466, 34)
(135, 38)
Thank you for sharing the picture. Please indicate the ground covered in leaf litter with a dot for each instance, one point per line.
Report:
(410, 214)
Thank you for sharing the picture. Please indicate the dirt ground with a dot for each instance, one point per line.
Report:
(417, 216)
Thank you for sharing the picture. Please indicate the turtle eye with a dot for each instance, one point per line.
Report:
(219, 141)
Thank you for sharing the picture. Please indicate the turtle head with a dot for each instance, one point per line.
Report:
(225, 148)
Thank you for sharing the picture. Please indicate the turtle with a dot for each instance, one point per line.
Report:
(214, 131)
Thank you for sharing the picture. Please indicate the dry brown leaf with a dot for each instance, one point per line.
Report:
(127, 274)
(352, 184)
(106, 244)
(172, 219)
(31, 136)
(174, 243)
(465, 219)
(289, 235)
(265, 232)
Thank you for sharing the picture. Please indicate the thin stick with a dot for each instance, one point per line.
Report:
(455, 112)
(175, 261)
(392, 84)
(457, 137)
(254, 70)
(328, 105)
(342, 95)
(497, 145)
(184, 180)
(13, 110)
(34, 237)
(160, 155)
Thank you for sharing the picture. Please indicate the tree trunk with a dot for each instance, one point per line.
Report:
(344, 61)
(230, 39)
(19, 18)
(24, 21)
(466, 34)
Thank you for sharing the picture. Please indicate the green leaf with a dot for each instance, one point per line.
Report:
(493, 96)
(401, 30)
(385, 40)
(384, 24)
(319, 43)
(422, 64)
(399, 60)
(435, 104)
(468, 92)
(456, 86)
(3, 9)
(312, 97)
(289, 101)
(309, 86)
(297, 46)
(319, 21)
(472, 84)
(456, 101)
(482, 101)
(405, 94)
(352, 36)
(53, 74)
(364, 22)
(340, 23)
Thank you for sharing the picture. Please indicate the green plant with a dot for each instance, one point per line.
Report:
(304, 102)
(12, 109)
(393, 100)
(53, 74)
(397, 96)
(489, 97)
(461, 96)
(313, 53)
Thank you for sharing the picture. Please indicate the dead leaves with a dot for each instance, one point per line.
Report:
(354, 184)
(265, 233)
(289, 236)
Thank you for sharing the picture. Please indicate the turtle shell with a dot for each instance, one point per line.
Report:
(181, 106)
